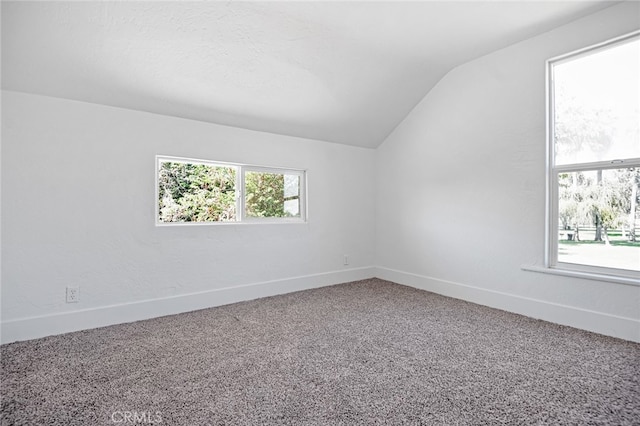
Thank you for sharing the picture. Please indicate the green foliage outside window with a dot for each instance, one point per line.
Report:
(199, 192)
(264, 195)
(604, 199)
(191, 192)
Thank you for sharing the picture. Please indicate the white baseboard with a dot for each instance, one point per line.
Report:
(597, 322)
(48, 325)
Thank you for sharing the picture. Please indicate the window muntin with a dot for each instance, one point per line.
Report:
(594, 159)
(199, 191)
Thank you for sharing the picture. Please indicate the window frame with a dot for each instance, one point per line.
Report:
(240, 201)
(552, 172)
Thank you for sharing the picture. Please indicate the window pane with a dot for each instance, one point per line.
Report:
(597, 105)
(272, 194)
(196, 192)
(599, 219)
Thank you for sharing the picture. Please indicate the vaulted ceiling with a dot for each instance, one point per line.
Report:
(338, 71)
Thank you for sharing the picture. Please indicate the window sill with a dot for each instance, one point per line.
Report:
(581, 274)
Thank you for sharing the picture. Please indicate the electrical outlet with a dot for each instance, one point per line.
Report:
(346, 259)
(73, 294)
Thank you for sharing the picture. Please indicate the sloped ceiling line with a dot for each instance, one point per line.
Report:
(345, 72)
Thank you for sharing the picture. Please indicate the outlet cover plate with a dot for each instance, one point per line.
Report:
(73, 294)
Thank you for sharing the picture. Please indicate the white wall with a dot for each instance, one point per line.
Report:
(461, 194)
(78, 198)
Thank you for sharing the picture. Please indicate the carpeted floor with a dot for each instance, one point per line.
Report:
(368, 352)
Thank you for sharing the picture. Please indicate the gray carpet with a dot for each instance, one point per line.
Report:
(368, 352)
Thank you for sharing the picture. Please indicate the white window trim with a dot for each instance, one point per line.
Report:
(581, 274)
(551, 265)
(241, 218)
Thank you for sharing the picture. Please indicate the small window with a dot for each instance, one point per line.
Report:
(200, 191)
(594, 159)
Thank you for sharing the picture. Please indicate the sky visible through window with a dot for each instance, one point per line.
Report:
(604, 88)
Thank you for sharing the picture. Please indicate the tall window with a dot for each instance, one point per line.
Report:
(200, 191)
(594, 159)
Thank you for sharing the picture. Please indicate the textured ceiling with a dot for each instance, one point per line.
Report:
(345, 72)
